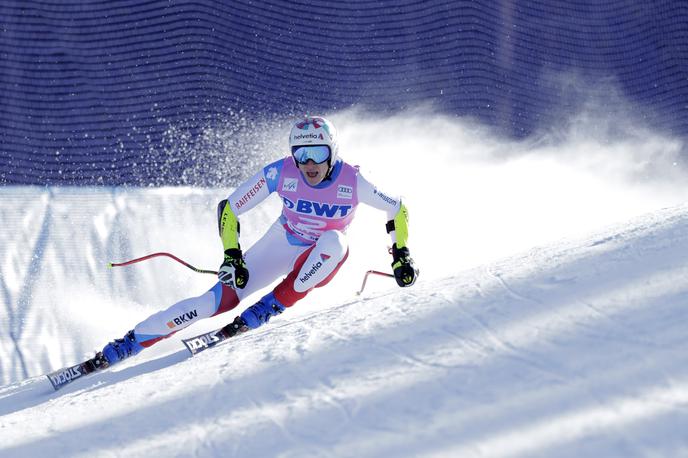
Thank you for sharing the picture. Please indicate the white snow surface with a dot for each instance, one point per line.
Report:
(549, 318)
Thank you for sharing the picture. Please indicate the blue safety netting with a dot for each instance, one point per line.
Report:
(90, 89)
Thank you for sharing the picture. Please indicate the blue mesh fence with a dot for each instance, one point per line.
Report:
(90, 89)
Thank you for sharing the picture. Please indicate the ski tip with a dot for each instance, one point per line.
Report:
(109, 265)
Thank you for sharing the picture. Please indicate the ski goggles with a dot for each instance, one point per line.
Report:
(316, 153)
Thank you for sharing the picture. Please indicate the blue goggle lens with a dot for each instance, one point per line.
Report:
(317, 153)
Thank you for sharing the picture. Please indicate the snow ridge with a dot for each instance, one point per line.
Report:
(571, 349)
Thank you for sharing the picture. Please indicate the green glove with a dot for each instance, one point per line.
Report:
(405, 271)
(233, 271)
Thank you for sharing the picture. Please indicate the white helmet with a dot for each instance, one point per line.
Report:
(312, 131)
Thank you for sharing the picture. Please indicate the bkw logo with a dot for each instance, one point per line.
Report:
(182, 319)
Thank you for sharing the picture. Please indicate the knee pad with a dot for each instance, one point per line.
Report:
(333, 244)
(314, 268)
(323, 261)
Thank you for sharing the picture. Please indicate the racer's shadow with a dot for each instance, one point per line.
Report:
(34, 391)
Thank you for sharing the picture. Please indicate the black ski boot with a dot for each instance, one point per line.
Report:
(235, 327)
(96, 363)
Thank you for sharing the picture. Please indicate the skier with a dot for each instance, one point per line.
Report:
(319, 192)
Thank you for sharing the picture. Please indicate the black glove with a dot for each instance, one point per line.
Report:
(233, 271)
(405, 271)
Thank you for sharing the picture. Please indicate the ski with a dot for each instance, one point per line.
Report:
(204, 341)
(63, 377)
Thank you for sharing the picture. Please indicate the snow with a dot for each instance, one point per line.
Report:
(549, 318)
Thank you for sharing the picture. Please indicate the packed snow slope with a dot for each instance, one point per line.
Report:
(549, 318)
(574, 349)
(473, 198)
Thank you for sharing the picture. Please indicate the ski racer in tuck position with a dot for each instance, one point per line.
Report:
(319, 192)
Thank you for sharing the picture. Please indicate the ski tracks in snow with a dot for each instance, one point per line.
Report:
(571, 350)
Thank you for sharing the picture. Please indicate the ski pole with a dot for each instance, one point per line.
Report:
(374, 272)
(153, 255)
(202, 271)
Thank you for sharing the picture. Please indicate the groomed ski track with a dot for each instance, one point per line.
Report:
(577, 348)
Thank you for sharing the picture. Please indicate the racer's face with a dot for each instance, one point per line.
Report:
(314, 173)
